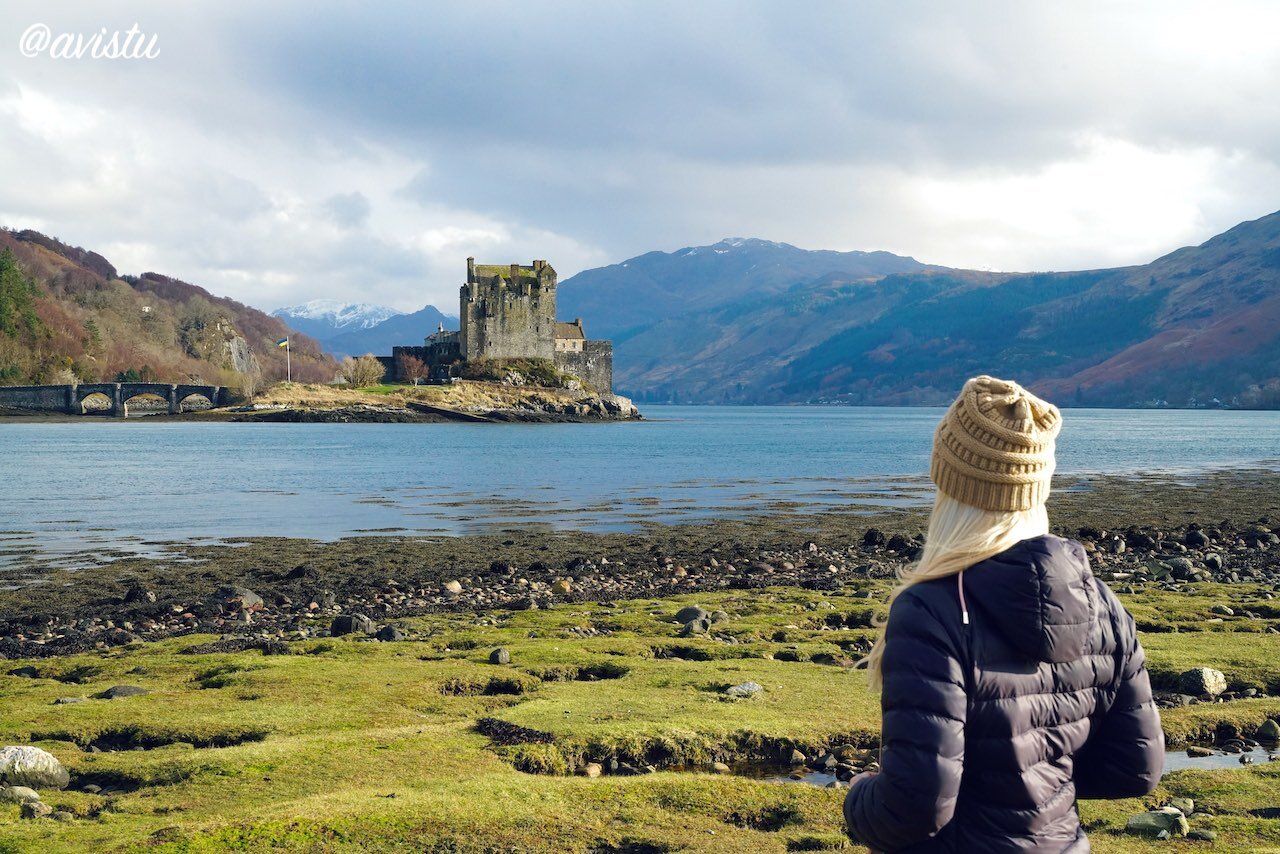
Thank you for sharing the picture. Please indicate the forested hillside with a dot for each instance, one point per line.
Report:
(67, 315)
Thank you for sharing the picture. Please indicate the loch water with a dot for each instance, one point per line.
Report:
(70, 489)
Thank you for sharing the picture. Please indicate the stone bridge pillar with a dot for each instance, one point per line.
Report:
(174, 406)
(72, 407)
(117, 402)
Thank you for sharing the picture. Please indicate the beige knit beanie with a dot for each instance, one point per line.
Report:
(994, 447)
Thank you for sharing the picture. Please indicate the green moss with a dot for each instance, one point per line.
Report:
(312, 761)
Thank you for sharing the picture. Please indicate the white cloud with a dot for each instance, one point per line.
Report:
(292, 151)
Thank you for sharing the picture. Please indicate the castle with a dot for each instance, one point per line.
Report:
(509, 312)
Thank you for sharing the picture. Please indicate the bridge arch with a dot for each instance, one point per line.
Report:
(80, 398)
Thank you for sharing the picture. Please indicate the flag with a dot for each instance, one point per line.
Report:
(283, 342)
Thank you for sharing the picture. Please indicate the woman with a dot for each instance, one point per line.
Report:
(1013, 681)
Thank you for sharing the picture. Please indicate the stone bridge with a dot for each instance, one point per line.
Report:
(71, 398)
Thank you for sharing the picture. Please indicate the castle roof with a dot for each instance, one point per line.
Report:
(503, 271)
(569, 330)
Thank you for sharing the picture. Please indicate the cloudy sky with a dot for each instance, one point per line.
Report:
(280, 152)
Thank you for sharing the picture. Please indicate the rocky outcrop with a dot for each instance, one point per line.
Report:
(32, 767)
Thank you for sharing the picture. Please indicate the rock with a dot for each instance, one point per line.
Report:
(1202, 835)
(1269, 731)
(349, 624)
(1195, 751)
(27, 672)
(1165, 820)
(66, 701)
(389, 634)
(719, 617)
(139, 594)
(873, 537)
(18, 794)
(699, 626)
(35, 809)
(796, 758)
(1196, 539)
(62, 815)
(1201, 681)
(235, 598)
(453, 588)
(501, 655)
(1186, 806)
(1222, 610)
(746, 690)
(1213, 561)
(117, 692)
(720, 768)
(691, 613)
(592, 769)
(561, 587)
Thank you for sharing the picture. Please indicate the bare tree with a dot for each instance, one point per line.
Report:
(365, 371)
(411, 368)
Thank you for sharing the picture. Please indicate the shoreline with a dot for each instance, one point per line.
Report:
(1130, 525)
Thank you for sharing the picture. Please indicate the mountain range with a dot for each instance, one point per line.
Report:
(353, 329)
(752, 321)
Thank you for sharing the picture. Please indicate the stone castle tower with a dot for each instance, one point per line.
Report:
(508, 312)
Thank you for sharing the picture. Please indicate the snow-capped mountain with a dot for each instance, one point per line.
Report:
(337, 315)
(353, 329)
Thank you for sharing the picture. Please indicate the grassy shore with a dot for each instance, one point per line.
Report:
(346, 744)
(357, 745)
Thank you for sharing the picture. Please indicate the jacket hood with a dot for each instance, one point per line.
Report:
(1039, 594)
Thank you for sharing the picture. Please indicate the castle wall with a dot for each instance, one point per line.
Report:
(592, 364)
(500, 320)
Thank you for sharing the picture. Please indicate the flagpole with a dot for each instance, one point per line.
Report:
(288, 362)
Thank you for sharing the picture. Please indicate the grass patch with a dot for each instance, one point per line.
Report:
(378, 747)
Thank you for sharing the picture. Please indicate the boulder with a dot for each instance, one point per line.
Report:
(1196, 539)
(1269, 731)
(746, 690)
(116, 692)
(17, 794)
(691, 613)
(1201, 681)
(501, 655)
(349, 624)
(35, 809)
(31, 766)
(1202, 835)
(235, 598)
(720, 768)
(1167, 820)
(562, 587)
(453, 588)
(390, 634)
(28, 672)
(592, 769)
(702, 625)
(1186, 806)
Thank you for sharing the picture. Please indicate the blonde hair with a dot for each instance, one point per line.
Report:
(960, 535)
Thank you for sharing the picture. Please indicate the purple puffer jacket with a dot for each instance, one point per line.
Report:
(992, 729)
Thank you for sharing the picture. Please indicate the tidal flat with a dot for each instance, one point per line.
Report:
(599, 728)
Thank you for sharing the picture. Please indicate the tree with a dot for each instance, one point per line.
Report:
(410, 368)
(17, 298)
(365, 371)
